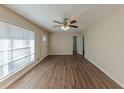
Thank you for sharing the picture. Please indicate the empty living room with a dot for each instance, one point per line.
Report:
(61, 46)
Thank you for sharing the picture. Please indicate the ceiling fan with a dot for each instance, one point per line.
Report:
(66, 24)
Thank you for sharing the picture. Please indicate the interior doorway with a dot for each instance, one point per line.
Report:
(83, 46)
(74, 45)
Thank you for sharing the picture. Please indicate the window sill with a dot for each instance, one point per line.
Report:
(11, 78)
(14, 72)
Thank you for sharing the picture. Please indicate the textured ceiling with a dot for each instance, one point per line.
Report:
(44, 14)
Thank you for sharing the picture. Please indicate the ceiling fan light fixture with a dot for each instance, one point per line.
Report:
(62, 27)
(65, 28)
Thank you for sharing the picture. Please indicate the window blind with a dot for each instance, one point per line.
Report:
(16, 48)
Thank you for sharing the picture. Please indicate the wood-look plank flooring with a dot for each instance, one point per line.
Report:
(66, 72)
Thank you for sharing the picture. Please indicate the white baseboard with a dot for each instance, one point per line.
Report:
(107, 73)
(12, 78)
(61, 54)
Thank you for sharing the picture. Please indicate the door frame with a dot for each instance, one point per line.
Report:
(83, 46)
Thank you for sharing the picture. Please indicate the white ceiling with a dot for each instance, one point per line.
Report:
(44, 14)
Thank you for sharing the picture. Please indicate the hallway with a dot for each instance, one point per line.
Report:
(64, 72)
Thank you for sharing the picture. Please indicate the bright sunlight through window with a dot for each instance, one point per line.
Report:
(16, 48)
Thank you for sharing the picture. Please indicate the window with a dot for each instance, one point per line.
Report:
(16, 48)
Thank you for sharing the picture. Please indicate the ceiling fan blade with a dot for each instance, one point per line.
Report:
(57, 22)
(73, 26)
(57, 26)
(73, 21)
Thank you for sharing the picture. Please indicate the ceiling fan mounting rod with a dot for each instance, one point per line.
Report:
(66, 19)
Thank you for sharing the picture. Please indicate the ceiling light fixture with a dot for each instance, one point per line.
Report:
(65, 28)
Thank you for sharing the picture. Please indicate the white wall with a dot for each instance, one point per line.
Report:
(61, 43)
(44, 44)
(104, 44)
(11, 17)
